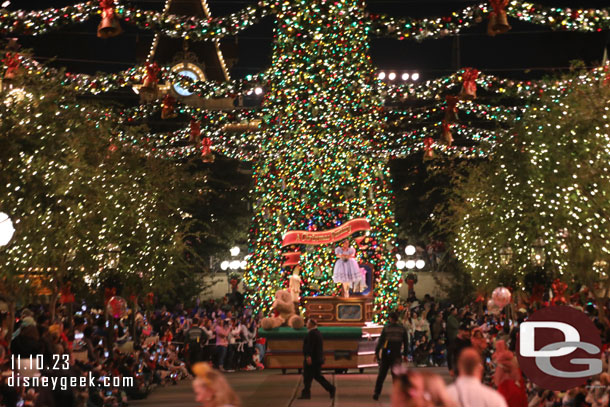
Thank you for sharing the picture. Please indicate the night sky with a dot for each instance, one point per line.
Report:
(527, 51)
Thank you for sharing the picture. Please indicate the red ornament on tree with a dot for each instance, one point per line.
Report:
(167, 108)
(469, 86)
(109, 26)
(451, 110)
(150, 87)
(195, 132)
(446, 136)
(206, 153)
(12, 62)
(428, 152)
(498, 21)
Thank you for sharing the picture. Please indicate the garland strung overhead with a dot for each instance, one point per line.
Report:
(556, 18)
(567, 19)
(43, 21)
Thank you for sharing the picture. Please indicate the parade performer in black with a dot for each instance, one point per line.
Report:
(313, 351)
(393, 339)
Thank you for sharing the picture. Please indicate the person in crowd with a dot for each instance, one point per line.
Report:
(478, 340)
(462, 341)
(451, 329)
(421, 326)
(419, 389)
(222, 342)
(436, 328)
(194, 341)
(598, 395)
(313, 354)
(210, 340)
(392, 343)
(507, 376)
(212, 389)
(467, 390)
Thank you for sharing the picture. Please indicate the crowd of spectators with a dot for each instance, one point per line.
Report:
(147, 349)
(125, 358)
(440, 333)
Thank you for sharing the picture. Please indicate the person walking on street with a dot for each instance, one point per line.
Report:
(195, 338)
(393, 339)
(313, 351)
(467, 390)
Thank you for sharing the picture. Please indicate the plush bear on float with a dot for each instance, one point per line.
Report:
(286, 313)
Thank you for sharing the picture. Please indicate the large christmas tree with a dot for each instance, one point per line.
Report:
(317, 169)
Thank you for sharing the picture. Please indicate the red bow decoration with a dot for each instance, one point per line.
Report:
(107, 7)
(167, 107)
(559, 289)
(206, 143)
(469, 86)
(66, 294)
(428, 147)
(480, 298)
(451, 109)
(499, 6)
(195, 131)
(234, 283)
(12, 63)
(150, 297)
(152, 72)
(447, 137)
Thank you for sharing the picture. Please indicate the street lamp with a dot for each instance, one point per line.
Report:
(410, 264)
(506, 256)
(420, 264)
(410, 250)
(400, 264)
(537, 255)
(6, 229)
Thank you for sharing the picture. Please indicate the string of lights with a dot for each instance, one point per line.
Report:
(557, 18)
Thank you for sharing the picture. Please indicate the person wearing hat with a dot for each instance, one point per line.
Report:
(461, 342)
(393, 339)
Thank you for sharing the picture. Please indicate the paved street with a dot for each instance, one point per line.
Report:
(270, 388)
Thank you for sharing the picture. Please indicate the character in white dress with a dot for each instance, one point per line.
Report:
(294, 285)
(347, 272)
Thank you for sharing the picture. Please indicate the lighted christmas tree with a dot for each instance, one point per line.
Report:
(316, 169)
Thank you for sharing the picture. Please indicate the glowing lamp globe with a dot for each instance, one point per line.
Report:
(501, 296)
(234, 251)
(117, 307)
(400, 264)
(410, 250)
(6, 229)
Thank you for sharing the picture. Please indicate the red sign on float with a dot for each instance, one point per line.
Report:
(326, 236)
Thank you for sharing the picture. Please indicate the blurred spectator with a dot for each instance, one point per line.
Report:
(468, 389)
(211, 388)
